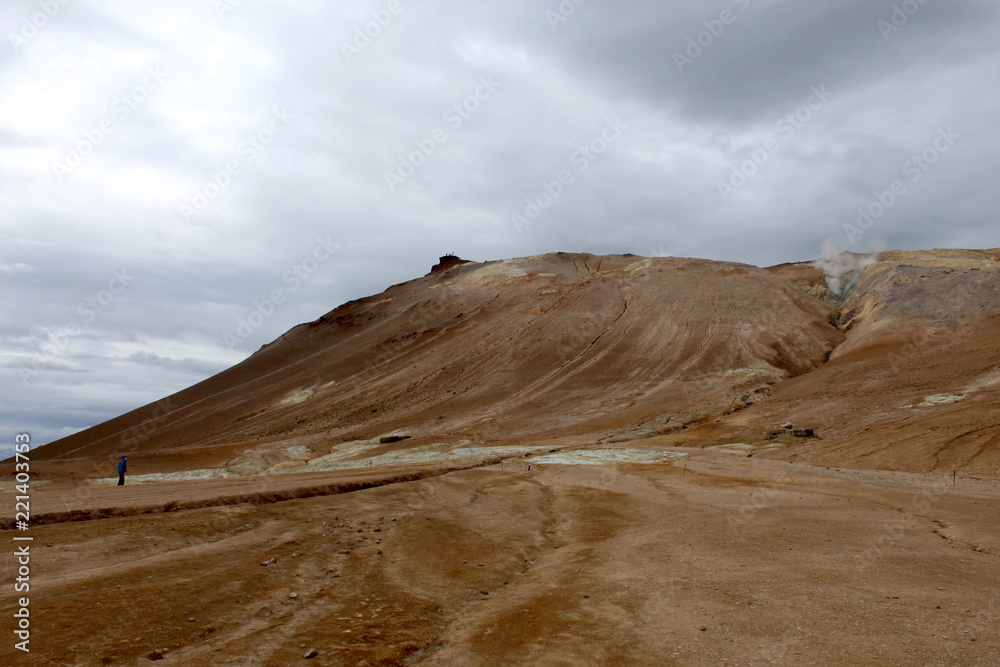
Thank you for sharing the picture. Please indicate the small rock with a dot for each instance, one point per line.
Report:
(293, 595)
(154, 655)
(191, 619)
(311, 653)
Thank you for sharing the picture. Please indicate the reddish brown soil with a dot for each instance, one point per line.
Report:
(717, 559)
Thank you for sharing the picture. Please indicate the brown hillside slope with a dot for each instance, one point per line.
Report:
(615, 349)
(916, 385)
(549, 345)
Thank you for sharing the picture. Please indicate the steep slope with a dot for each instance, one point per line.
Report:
(511, 350)
(916, 385)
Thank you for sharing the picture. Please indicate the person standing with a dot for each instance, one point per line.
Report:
(122, 467)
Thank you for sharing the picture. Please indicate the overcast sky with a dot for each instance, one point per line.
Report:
(168, 166)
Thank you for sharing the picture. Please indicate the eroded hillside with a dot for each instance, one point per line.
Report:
(901, 369)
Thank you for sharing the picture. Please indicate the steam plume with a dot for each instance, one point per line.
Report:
(836, 264)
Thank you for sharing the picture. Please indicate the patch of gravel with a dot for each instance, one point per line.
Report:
(604, 456)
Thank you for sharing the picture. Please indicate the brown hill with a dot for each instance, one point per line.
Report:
(916, 384)
(900, 372)
(544, 461)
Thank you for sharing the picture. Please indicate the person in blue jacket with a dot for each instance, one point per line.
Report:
(122, 467)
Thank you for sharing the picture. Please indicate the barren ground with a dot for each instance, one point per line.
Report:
(715, 559)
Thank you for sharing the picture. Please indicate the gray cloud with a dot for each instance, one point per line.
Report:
(264, 199)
